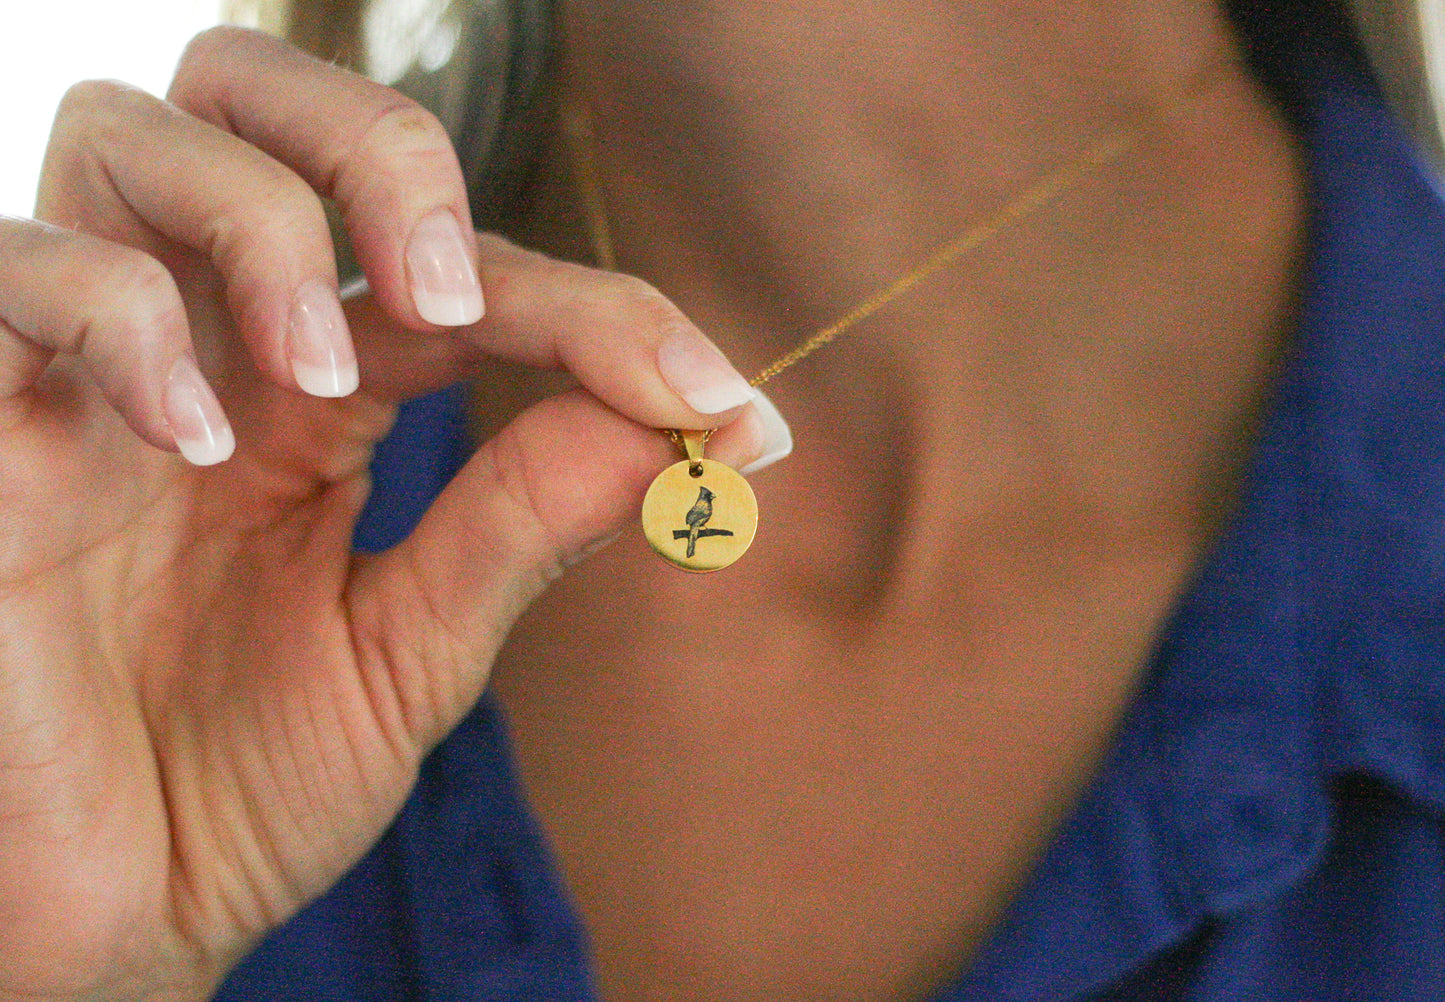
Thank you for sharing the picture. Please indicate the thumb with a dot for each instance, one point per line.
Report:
(564, 476)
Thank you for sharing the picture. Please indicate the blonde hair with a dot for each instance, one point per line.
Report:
(1405, 40)
(330, 29)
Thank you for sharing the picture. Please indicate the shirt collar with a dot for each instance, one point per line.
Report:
(1311, 643)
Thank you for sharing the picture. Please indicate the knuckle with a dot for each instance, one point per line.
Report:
(131, 304)
(97, 116)
(553, 273)
(402, 139)
(89, 93)
(516, 479)
(91, 99)
(81, 97)
(406, 127)
(276, 213)
(143, 294)
(635, 290)
(213, 62)
(206, 49)
(646, 304)
(148, 281)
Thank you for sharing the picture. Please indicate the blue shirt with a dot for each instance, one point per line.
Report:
(1271, 822)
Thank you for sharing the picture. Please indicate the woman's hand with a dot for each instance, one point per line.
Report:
(209, 708)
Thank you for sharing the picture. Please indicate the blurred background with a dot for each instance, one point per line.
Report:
(478, 64)
(50, 45)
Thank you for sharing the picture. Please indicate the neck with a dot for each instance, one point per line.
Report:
(770, 165)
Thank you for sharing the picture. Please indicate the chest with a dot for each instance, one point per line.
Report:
(817, 816)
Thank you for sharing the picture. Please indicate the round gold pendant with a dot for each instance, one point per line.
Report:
(700, 515)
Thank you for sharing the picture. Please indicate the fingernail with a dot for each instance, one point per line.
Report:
(698, 372)
(322, 358)
(201, 430)
(444, 282)
(777, 436)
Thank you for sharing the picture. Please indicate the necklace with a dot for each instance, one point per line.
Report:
(701, 515)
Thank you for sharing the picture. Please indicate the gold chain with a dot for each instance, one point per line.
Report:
(577, 129)
(1037, 195)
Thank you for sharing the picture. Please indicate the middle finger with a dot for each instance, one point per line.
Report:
(130, 167)
(387, 162)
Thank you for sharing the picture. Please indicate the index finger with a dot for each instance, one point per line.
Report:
(624, 341)
(385, 160)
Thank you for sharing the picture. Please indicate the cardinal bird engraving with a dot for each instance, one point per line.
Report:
(697, 518)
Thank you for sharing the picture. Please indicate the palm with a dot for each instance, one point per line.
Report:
(202, 747)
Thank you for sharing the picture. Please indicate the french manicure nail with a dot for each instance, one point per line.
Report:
(698, 372)
(444, 283)
(201, 430)
(777, 436)
(322, 358)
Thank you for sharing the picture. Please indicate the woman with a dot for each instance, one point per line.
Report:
(1040, 680)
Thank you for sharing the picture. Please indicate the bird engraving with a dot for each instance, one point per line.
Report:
(697, 516)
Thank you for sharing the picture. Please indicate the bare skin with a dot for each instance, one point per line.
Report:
(822, 773)
(818, 776)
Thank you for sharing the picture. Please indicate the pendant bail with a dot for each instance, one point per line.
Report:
(692, 445)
